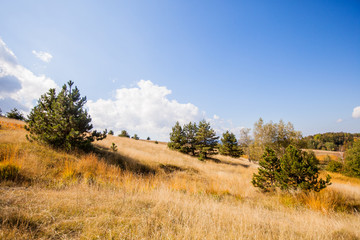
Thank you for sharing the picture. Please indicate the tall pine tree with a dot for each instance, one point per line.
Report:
(60, 120)
(177, 138)
(266, 178)
(190, 131)
(206, 140)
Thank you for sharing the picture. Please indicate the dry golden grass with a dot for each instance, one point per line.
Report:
(146, 191)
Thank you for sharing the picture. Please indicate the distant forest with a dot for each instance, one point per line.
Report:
(331, 141)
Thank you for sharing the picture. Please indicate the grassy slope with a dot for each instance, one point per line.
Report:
(146, 191)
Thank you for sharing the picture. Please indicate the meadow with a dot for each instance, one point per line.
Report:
(146, 191)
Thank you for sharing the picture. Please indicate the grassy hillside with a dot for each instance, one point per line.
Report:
(146, 191)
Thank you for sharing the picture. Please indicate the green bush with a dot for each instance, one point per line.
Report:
(8, 171)
(334, 166)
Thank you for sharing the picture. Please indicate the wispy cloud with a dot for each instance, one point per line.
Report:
(339, 120)
(43, 56)
(356, 112)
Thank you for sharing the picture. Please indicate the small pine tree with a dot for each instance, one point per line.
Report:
(177, 138)
(15, 114)
(229, 146)
(113, 147)
(266, 178)
(60, 120)
(190, 131)
(299, 170)
(206, 140)
(136, 137)
(124, 133)
(111, 132)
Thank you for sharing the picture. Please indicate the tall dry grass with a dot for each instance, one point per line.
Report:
(146, 191)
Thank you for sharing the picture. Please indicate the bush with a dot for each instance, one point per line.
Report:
(334, 166)
(8, 171)
(60, 120)
(352, 160)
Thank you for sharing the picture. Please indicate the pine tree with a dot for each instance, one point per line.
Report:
(136, 137)
(15, 114)
(299, 170)
(60, 120)
(206, 140)
(229, 146)
(177, 138)
(190, 131)
(266, 178)
(124, 133)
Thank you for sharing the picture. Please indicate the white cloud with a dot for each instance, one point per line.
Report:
(23, 86)
(145, 110)
(339, 120)
(43, 56)
(356, 112)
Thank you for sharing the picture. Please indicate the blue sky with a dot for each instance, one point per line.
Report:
(230, 62)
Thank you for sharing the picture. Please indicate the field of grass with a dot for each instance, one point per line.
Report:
(146, 191)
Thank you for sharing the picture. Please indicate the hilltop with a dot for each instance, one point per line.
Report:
(146, 191)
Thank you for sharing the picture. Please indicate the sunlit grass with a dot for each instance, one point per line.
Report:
(146, 191)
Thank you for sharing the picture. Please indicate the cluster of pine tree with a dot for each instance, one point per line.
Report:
(296, 169)
(201, 140)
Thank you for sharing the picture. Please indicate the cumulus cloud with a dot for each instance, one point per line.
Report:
(43, 56)
(356, 112)
(145, 110)
(19, 83)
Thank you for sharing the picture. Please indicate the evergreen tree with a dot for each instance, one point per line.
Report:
(229, 146)
(15, 114)
(299, 170)
(206, 140)
(190, 131)
(352, 160)
(111, 132)
(60, 120)
(124, 133)
(266, 178)
(136, 137)
(177, 138)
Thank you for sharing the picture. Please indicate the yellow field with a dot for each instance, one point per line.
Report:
(146, 191)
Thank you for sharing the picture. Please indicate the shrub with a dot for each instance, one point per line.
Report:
(8, 171)
(334, 166)
(352, 160)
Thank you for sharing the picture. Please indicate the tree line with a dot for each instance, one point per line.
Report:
(331, 141)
